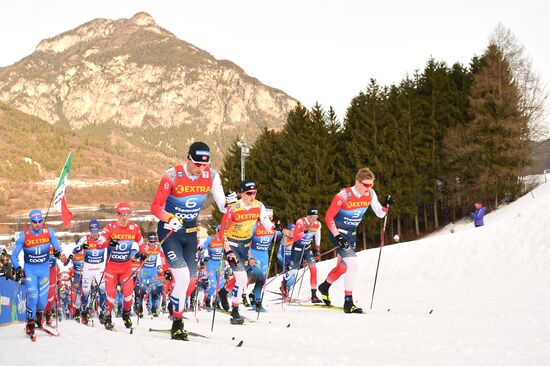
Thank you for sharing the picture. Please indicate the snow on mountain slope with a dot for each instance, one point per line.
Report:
(479, 296)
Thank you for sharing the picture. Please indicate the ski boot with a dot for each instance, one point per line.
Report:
(349, 307)
(323, 289)
(177, 331)
(236, 318)
(314, 299)
(108, 322)
(154, 312)
(84, 317)
(29, 329)
(283, 289)
(223, 298)
(259, 308)
(49, 319)
(39, 319)
(126, 319)
(77, 315)
(101, 318)
(252, 300)
(245, 301)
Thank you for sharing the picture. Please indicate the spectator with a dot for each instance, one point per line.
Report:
(478, 214)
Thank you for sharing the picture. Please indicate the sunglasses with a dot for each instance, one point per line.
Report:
(123, 214)
(36, 221)
(198, 164)
(250, 193)
(367, 185)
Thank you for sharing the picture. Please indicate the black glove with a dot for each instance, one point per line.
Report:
(113, 242)
(141, 256)
(85, 245)
(57, 253)
(205, 259)
(19, 273)
(278, 227)
(168, 275)
(315, 252)
(70, 257)
(306, 230)
(231, 258)
(342, 242)
(389, 201)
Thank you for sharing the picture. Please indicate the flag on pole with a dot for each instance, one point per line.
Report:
(60, 201)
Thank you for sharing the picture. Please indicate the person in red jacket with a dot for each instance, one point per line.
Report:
(180, 195)
(125, 242)
(342, 218)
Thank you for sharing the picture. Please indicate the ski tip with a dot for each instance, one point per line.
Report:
(431, 311)
(240, 343)
(288, 325)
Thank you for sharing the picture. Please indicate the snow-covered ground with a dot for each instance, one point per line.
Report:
(478, 296)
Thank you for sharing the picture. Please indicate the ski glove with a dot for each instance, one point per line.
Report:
(389, 201)
(342, 242)
(231, 197)
(85, 245)
(175, 223)
(141, 256)
(57, 254)
(19, 273)
(168, 275)
(231, 258)
(113, 242)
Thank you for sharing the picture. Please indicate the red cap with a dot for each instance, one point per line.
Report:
(123, 207)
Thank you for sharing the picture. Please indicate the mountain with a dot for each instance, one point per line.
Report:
(133, 74)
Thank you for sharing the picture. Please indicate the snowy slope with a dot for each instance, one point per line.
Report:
(489, 289)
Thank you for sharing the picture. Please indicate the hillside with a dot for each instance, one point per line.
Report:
(133, 75)
(33, 150)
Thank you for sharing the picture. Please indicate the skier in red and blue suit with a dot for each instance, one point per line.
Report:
(342, 218)
(35, 242)
(181, 193)
(262, 240)
(54, 274)
(306, 230)
(76, 291)
(125, 246)
(149, 275)
(212, 254)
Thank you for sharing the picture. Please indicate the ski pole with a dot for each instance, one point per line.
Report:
(300, 267)
(383, 234)
(217, 289)
(267, 273)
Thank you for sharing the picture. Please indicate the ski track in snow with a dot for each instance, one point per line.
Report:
(488, 287)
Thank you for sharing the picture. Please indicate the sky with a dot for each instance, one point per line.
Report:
(477, 296)
(315, 51)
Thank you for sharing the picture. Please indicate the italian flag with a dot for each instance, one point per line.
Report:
(60, 201)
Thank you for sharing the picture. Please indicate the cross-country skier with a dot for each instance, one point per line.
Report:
(304, 249)
(125, 246)
(149, 275)
(177, 203)
(92, 271)
(260, 247)
(35, 242)
(237, 229)
(342, 218)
